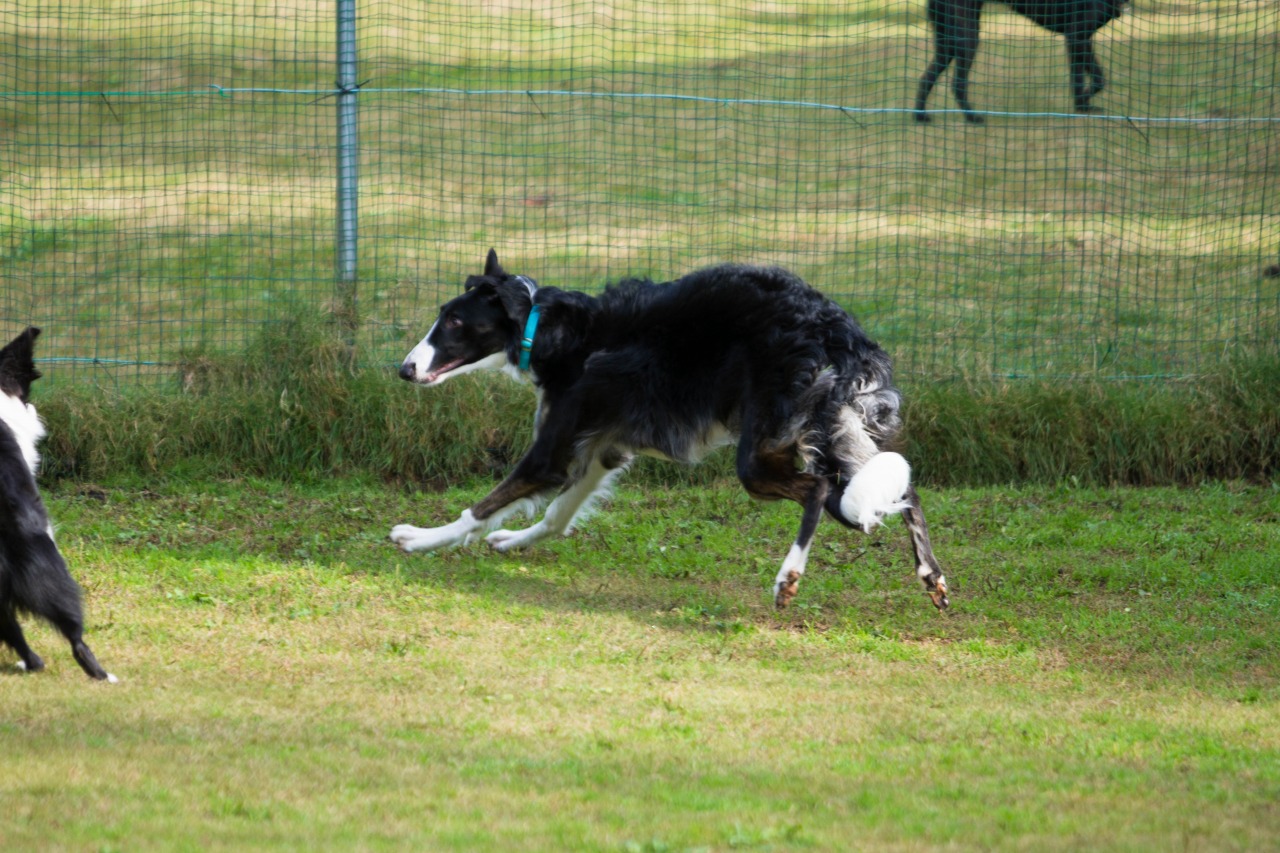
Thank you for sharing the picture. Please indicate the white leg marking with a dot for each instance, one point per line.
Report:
(22, 665)
(796, 559)
(412, 538)
(511, 540)
(923, 572)
(111, 679)
(568, 507)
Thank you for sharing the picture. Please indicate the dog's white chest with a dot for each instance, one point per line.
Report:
(22, 419)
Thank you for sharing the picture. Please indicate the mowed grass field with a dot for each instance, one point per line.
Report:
(1109, 675)
(1107, 678)
(172, 168)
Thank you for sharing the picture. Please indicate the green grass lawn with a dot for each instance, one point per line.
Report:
(1108, 677)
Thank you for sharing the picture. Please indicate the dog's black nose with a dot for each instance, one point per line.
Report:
(407, 370)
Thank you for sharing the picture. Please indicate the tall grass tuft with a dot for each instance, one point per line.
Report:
(1224, 425)
(294, 405)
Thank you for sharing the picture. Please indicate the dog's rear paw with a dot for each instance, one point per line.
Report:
(938, 594)
(974, 118)
(922, 117)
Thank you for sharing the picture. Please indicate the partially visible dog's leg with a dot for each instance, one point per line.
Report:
(11, 635)
(1086, 74)
(412, 538)
(1085, 69)
(55, 598)
(927, 568)
(966, 48)
(787, 583)
(941, 59)
(559, 518)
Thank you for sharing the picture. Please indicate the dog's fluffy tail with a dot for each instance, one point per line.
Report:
(879, 488)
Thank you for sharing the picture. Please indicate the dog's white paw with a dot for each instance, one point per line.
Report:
(412, 538)
(22, 665)
(111, 679)
(510, 540)
(404, 534)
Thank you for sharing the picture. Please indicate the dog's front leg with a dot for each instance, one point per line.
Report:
(787, 583)
(533, 476)
(569, 506)
(412, 538)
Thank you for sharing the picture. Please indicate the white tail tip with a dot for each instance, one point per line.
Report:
(878, 489)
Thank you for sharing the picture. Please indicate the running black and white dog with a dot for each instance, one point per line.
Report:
(33, 576)
(740, 355)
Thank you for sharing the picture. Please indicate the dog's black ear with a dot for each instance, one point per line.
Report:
(514, 299)
(17, 365)
(493, 273)
(492, 268)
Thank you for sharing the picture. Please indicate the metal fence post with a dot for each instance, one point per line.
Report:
(348, 177)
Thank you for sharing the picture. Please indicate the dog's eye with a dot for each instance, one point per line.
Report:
(452, 323)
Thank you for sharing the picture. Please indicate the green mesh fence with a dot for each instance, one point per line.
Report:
(169, 173)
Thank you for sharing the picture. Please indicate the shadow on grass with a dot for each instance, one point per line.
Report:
(1155, 584)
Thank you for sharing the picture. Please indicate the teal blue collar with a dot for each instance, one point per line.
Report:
(526, 343)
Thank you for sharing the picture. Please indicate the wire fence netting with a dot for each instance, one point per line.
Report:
(169, 172)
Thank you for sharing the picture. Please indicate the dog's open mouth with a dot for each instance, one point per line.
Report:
(442, 370)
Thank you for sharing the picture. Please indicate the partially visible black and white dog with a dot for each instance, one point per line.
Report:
(730, 354)
(33, 575)
(955, 33)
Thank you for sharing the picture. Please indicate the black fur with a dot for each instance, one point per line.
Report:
(728, 354)
(33, 575)
(955, 32)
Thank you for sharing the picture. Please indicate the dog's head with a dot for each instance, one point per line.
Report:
(17, 366)
(479, 330)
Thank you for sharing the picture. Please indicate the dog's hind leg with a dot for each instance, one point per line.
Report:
(939, 64)
(11, 635)
(1087, 78)
(48, 591)
(74, 632)
(955, 36)
(569, 506)
(927, 568)
(966, 48)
